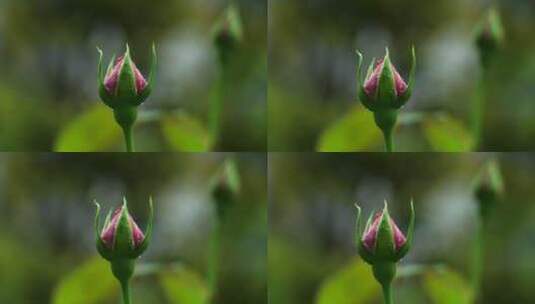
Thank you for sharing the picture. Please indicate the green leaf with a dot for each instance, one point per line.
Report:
(355, 131)
(353, 284)
(446, 286)
(90, 283)
(184, 286)
(93, 130)
(447, 134)
(185, 133)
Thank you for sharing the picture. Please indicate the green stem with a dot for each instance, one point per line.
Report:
(389, 143)
(125, 286)
(478, 257)
(478, 111)
(216, 105)
(129, 140)
(126, 117)
(213, 259)
(387, 294)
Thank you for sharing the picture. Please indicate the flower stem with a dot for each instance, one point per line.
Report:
(126, 117)
(478, 257)
(213, 259)
(387, 294)
(389, 143)
(216, 105)
(478, 110)
(129, 140)
(125, 286)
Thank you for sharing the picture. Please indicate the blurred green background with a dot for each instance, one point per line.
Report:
(312, 257)
(47, 247)
(48, 87)
(312, 103)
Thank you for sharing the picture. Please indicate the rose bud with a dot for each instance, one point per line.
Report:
(489, 36)
(227, 32)
(123, 85)
(384, 92)
(382, 244)
(383, 87)
(120, 236)
(488, 187)
(225, 186)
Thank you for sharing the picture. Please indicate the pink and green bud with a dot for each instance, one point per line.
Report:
(226, 186)
(228, 32)
(120, 236)
(383, 87)
(489, 36)
(123, 85)
(382, 241)
(489, 187)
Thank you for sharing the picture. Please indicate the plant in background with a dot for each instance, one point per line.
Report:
(123, 88)
(121, 242)
(488, 190)
(382, 245)
(227, 35)
(225, 187)
(384, 92)
(489, 39)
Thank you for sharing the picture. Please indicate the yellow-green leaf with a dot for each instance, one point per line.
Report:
(93, 130)
(447, 134)
(184, 286)
(355, 131)
(90, 283)
(185, 133)
(353, 284)
(445, 286)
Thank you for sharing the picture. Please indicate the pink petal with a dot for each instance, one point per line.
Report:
(108, 233)
(399, 237)
(141, 83)
(111, 79)
(401, 86)
(370, 235)
(370, 85)
(137, 234)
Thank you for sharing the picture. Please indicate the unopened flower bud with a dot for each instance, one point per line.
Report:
(120, 236)
(384, 88)
(383, 244)
(226, 186)
(489, 36)
(228, 32)
(488, 187)
(123, 85)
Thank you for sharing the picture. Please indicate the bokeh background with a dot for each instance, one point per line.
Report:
(312, 256)
(47, 245)
(312, 103)
(48, 87)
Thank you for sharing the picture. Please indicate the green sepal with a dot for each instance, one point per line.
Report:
(361, 249)
(228, 32)
(148, 234)
(106, 97)
(126, 85)
(409, 235)
(102, 249)
(123, 243)
(150, 80)
(384, 245)
(403, 98)
(123, 269)
(369, 103)
(386, 92)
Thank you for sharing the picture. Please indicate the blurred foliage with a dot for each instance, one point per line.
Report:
(47, 244)
(312, 72)
(49, 62)
(312, 256)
